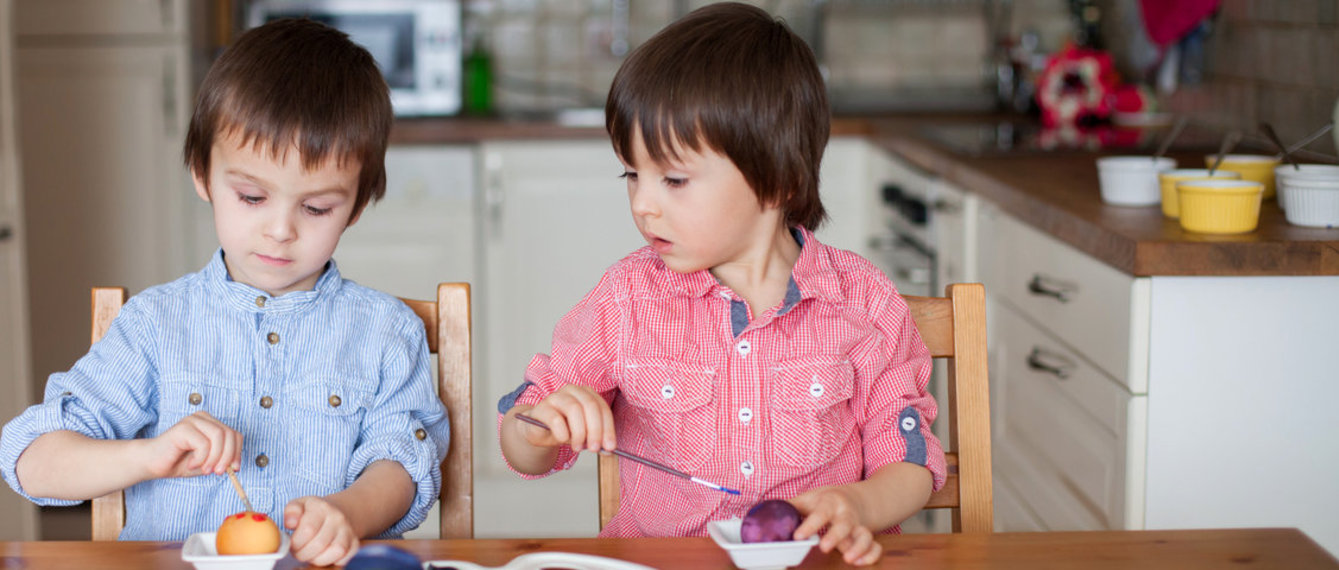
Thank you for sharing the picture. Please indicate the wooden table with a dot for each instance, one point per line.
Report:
(1140, 550)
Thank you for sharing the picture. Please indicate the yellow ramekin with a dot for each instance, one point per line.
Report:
(1168, 179)
(1219, 206)
(1253, 167)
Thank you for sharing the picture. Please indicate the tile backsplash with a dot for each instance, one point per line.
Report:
(553, 54)
(1269, 61)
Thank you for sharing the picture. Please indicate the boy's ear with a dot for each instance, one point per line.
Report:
(201, 189)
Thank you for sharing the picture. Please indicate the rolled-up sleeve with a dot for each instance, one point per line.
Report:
(406, 423)
(899, 408)
(106, 395)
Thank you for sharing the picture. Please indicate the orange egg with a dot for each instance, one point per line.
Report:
(247, 533)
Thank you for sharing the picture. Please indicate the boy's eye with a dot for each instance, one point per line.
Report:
(313, 210)
(675, 182)
(249, 199)
(628, 175)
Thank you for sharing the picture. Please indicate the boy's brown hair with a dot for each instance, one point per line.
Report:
(734, 78)
(297, 82)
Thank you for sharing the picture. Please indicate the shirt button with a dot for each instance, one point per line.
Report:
(743, 347)
(725, 295)
(262, 461)
(745, 415)
(816, 390)
(273, 338)
(196, 398)
(746, 468)
(667, 392)
(421, 434)
(67, 393)
(266, 402)
(260, 301)
(334, 401)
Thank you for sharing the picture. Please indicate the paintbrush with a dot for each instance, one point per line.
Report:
(644, 461)
(232, 474)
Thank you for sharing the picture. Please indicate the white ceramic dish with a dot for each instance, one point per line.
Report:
(1311, 202)
(758, 555)
(1285, 174)
(1131, 180)
(199, 550)
(543, 561)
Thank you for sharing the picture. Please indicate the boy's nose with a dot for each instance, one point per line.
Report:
(642, 202)
(281, 228)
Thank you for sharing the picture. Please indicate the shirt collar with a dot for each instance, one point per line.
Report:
(813, 276)
(243, 297)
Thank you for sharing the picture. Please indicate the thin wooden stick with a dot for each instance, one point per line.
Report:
(232, 474)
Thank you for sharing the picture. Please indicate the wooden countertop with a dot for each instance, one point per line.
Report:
(1054, 192)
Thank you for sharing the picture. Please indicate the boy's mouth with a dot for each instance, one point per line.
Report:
(272, 260)
(661, 246)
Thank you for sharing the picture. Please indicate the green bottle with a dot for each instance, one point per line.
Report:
(478, 74)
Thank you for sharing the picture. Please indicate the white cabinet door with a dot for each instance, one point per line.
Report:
(20, 519)
(100, 17)
(107, 199)
(555, 216)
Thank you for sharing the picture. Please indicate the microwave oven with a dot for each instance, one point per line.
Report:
(416, 43)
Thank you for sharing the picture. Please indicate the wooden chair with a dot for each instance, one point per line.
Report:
(954, 328)
(447, 323)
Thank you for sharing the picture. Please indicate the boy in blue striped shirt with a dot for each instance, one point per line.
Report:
(316, 390)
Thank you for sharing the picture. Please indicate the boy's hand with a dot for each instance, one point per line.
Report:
(576, 415)
(837, 509)
(196, 445)
(322, 535)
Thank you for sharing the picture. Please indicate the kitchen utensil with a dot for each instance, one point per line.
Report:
(1306, 140)
(200, 551)
(758, 555)
(1253, 167)
(232, 474)
(1167, 180)
(542, 561)
(1131, 180)
(1215, 206)
(1229, 141)
(644, 461)
(1171, 136)
(1274, 138)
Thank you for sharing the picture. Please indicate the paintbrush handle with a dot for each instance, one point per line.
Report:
(238, 485)
(618, 452)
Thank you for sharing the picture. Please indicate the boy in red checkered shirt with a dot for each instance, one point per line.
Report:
(734, 346)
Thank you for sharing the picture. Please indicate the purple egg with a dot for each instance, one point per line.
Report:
(770, 521)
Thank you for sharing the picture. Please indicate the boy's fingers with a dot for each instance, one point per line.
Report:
(607, 418)
(837, 533)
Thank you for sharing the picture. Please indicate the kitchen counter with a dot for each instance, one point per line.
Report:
(1054, 192)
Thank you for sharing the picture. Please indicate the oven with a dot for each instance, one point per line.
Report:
(903, 243)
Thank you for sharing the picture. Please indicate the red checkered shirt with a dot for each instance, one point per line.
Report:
(823, 389)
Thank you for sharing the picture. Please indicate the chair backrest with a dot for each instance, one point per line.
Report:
(447, 324)
(954, 328)
(447, 321)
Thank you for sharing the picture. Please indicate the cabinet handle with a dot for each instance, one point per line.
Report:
(1047, 287)
(494, 194)
(6, 233)
(1050, 363)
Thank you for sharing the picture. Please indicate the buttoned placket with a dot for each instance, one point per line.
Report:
(744, 394)
(265, 401)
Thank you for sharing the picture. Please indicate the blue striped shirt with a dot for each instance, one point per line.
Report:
(320, 383)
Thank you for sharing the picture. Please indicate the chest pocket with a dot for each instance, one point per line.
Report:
(674, 414)
(810, 417)
(327, 415)
(186, 394)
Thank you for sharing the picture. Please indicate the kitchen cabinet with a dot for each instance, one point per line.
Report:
(1128, 402)
(421, 233)
(554, 215)
(104, 96)
(20, 520)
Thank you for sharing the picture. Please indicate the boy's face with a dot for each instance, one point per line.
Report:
(277, 222)
(698, 212)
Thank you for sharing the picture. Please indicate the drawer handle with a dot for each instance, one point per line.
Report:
(1050, 363)
(1048, 287)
